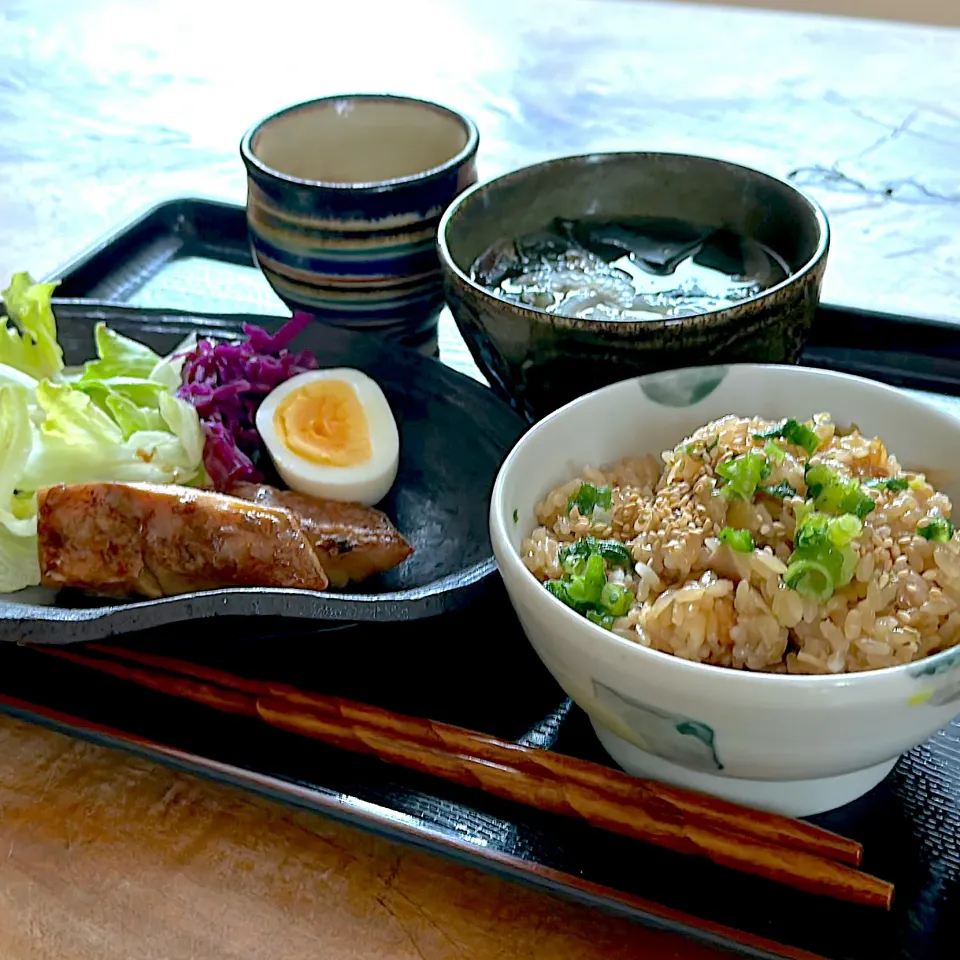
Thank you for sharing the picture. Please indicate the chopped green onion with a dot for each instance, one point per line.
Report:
(573, 557)
(895, 484)
(823, 557)
(773, 452)
(817, 529)
(818, 478)
(596, 572)
(573, 565)
(559, 588)
(743, 475)
(782, 490)
(588, 497)
(793, 432)
(842, 531)
(937, 529)
(584, 586)
(740, 540)
(810, 579)
(862, 506)
(832, 493)
(811, 531)
(616, 599)
(613, 551)
(581, 592)
(516, 516)
(604, 620)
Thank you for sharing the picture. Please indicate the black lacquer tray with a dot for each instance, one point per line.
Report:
(474, 668)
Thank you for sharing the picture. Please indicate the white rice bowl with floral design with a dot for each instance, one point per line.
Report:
(748, 595)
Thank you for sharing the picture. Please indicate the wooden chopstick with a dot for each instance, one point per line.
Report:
(794, 868)
(660, 800)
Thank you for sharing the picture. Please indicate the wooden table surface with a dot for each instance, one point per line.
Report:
(106, 107)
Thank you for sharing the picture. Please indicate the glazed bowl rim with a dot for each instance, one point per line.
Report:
(622, 327)
(638, 657)
(254, 164)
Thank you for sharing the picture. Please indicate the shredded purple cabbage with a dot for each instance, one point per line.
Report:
(227, 382)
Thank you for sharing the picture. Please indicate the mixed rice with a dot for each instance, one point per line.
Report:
(774, 546)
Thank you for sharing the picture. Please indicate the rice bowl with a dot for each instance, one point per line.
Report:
(792, 700)
(708, 576)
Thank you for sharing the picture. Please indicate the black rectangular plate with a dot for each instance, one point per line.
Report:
(475, 668)
(445, 419)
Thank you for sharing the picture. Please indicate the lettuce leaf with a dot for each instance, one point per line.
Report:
(116, 418)
(28, 338)
(16, 442)
(19, 564)
(18, 514)
(133, 404)
(16, 377)
(81, 442)
(129, 417)
(183, 422)
(72, 415)
(118, 356)
(169, 371)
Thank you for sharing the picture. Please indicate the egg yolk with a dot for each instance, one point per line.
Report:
(324, 422)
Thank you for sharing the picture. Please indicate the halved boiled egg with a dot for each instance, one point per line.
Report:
(331, 434)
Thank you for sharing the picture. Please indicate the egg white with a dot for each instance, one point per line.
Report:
(368, 482)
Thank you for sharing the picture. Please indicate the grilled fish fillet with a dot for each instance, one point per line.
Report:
(132, 538)
(353, 542)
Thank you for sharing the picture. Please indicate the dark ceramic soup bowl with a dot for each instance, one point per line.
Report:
(539, 361)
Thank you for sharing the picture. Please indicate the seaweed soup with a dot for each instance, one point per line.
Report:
(628, 269)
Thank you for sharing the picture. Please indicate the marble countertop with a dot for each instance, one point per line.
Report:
(107, 107)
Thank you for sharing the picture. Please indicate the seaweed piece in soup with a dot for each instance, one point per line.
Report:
(512, 258)
(496, 263)
(543, 245)
(656, 244)
(735, 256)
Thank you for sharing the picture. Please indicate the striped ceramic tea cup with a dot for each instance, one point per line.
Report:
(344, 195)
